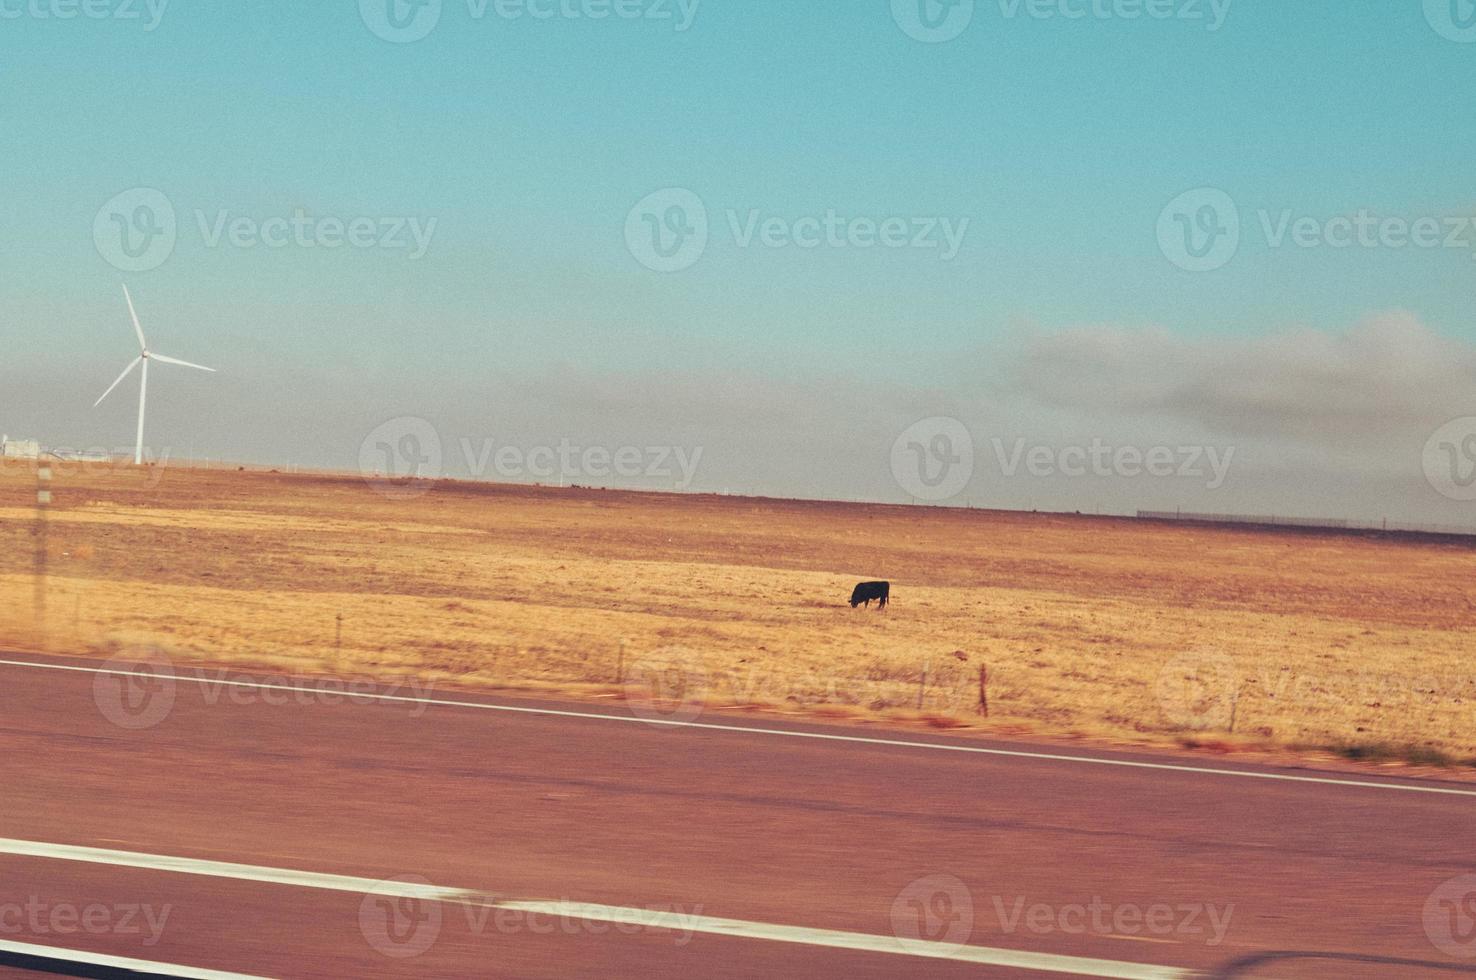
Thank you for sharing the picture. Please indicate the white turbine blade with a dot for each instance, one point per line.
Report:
(175, 360)
(142, 344)
(126, 372)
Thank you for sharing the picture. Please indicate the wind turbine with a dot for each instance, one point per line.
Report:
(144, 357)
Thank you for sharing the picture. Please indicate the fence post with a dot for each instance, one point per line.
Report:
(922, 686)
(43, 500)
(984, 690)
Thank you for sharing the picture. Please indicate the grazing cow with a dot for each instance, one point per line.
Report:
(866, 591)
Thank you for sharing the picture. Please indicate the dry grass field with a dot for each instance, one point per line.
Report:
(1096, 628)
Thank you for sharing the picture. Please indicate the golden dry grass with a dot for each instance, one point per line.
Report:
(1094, 627)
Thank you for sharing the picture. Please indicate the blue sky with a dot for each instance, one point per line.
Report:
(529, 141)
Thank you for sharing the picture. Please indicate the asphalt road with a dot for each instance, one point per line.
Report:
(289, 830)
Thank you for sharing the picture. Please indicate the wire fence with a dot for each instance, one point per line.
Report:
(1324, 523)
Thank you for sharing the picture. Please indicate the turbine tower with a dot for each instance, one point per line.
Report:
(144, 357)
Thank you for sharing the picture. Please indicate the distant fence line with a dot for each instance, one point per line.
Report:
(1326, 523)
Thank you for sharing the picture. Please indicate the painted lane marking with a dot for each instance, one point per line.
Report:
(776, 732)
(128, 966)
(672, 921)
(226, 869)
(857, 941)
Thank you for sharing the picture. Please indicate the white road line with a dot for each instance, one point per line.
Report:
(834, 939)
(775, 732)
(648, 918)
(118, 962)
(225, 869)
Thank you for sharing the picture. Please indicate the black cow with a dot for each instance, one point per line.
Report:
(866, 591)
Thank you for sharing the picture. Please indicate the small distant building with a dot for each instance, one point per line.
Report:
(19, 448)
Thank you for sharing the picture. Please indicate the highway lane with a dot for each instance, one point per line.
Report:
(1135, 866)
